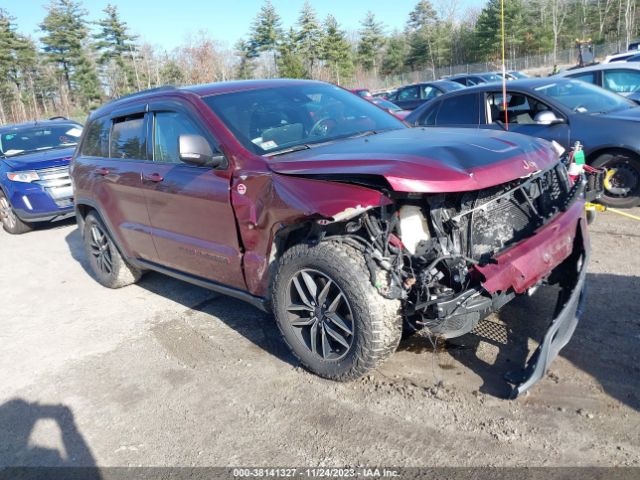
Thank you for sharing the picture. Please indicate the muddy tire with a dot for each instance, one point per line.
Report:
(623, 189)
(107, 265)
(10, 221)
(330, 315)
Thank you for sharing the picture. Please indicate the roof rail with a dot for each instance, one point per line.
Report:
(147, 91)
(58, 117)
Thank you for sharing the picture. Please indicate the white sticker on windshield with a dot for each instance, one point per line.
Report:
(74, 132)
(268, 145)
(257, 141)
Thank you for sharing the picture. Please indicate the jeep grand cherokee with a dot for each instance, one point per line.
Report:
(308, 201)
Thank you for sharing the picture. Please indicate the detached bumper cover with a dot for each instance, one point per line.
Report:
(557, 336)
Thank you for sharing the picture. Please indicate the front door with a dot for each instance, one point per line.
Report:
(193, 223)
(522, 116)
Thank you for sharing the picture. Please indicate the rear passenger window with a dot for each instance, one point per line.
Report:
(458, 110)
(588, 77)
(96, 142)
(429, 117)
(128, 138)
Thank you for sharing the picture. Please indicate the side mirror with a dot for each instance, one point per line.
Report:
(547, 118)
(195, 150)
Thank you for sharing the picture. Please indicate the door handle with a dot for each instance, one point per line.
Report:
(102, 171)
(154, 177)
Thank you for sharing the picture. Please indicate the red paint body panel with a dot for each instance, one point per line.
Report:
(436, 160)
(526, 263)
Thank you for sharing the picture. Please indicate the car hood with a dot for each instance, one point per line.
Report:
(56, 157)
(428, 160)
(632, 114)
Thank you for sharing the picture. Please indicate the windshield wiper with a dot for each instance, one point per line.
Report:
(295, 148)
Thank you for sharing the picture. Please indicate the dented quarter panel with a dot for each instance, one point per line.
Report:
(271, 201)
(526, 263)
(431, 160)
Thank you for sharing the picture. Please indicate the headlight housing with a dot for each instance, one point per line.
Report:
(25, 176)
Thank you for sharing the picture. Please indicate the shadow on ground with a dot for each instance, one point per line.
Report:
(605, 344)
(19, 420)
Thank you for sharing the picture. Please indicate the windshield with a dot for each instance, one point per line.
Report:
(451, 86)
(387, 104)
(34, 139)
(582, 97)
(491, 77)
(270, 120)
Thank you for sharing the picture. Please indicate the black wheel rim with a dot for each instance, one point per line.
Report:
(7, 216)
(320, 315)
(624, 180)
(99, 245)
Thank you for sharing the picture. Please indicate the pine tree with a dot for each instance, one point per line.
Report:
(289, 59)
(371, 42)
(395, 56)
(116, 46)
(488, 31)
(335, 50)
(421, 29)
(65, 42)
(309, 37)
(266, 31)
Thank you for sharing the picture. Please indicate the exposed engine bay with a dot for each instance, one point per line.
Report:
(426, 249)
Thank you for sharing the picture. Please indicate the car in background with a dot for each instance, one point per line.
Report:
(471, 79)
(558, 109)
(34, 172)
(412, 96)
(347, 225)
(517, 75)
(619, 57)
(391, 107)
(621, 78)
(362, 92)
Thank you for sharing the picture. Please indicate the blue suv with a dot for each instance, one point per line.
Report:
(34, 172)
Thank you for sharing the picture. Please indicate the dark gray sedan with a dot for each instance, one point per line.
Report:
(554, 109)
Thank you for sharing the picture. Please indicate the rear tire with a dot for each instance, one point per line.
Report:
(626, 178)
(107, 265)
(355, 328)
(10, 221)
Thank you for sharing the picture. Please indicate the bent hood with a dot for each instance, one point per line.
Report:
(428, 160)
(56, 157)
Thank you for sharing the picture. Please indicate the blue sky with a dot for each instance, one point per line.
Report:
(167, 23)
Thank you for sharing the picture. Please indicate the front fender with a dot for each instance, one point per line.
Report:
(265, 203)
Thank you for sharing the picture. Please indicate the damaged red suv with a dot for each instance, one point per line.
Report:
(308, 201)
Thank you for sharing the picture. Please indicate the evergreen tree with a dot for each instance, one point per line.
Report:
(335, 50)
(309, 37)
(266, 31)
(395, 57)
(290, 60)
(371, 42)
(421, 29)
(488, 29)
(116, 46)
(65, 43)
(246, 51)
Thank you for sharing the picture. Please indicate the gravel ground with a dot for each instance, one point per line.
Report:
(168, 374)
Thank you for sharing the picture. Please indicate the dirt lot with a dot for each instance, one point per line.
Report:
(164, 373)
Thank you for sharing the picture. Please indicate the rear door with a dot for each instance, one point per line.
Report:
(112, 157)
(458, 111)
(189, 207)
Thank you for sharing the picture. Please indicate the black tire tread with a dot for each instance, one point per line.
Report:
(383, 315)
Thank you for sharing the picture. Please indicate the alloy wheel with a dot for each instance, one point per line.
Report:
(7, 215)
(623, 180)
(320, 314)
(99, 245)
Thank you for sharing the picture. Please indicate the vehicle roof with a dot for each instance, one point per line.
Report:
(601, 66)
(442, 81)
(36, 123)
(474, 74)
(203, 90)
(518, 84)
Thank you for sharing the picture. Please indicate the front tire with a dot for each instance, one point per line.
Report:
(107, 265)
(10, 221)
(622, 190)
(331, 316)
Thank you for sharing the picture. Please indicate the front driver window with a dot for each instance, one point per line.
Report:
(521, 109)
(168, 126)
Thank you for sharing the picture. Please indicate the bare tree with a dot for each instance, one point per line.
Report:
(558, 10)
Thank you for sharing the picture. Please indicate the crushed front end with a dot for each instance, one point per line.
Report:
(455, 258)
